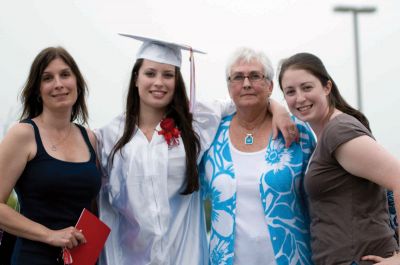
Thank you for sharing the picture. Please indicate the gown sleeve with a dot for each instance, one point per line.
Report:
(206, 119)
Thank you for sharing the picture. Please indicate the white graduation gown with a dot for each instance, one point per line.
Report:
(150, 221)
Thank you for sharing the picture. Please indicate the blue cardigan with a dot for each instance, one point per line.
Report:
(281, 192)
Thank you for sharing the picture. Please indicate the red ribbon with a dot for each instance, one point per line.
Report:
(67, 257)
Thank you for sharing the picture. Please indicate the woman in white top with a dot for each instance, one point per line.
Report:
(254, 182)
(149, 156)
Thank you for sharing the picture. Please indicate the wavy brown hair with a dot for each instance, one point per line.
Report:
(178, 109)
(312, 64)
(30, 95)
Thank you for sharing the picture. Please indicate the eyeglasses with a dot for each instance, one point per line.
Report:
(253, 77)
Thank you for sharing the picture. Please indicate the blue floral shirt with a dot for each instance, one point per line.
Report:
(281, 192)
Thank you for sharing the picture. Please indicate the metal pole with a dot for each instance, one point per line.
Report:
(357, 59)
(355, 11)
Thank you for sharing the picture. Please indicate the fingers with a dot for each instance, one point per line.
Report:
(68, 237)
(75, 237)
(274, 132)
(290, 135)
(79, 236)
(372, 258)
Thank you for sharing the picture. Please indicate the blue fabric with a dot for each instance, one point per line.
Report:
(281, 191)
(392, 213)
(53, 193)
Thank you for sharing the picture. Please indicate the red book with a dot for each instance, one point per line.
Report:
(96, 233)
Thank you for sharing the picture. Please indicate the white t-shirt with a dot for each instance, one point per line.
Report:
(252, 239)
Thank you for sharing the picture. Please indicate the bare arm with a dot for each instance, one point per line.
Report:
(282, 122)
(16, 149)
(364, 157)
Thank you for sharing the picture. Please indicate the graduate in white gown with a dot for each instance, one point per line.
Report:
(149, 156)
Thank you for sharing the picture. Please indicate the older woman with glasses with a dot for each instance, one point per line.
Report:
(254, 182)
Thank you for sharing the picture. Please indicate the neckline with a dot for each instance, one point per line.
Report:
(248, 134)
(233, 147)
(330, 121)
(154, 137)
(43, 148)
(264, 149)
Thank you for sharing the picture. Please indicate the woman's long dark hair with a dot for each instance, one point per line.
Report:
(313, 65)
(178, 109)
(32, 104)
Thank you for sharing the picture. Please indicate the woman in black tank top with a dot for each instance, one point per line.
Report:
(50, 161)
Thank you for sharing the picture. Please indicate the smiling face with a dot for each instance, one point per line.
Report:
(156, 84)
(248, 93)
(305, 96)
(58, 86)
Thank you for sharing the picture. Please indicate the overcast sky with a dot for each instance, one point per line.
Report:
(88, 30)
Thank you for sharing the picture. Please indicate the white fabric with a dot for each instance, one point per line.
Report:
(160, 51)
(253, 243)
(151, 222)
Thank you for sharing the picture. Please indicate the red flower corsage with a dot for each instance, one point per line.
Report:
(170, 131)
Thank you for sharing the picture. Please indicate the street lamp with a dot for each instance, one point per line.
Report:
(355, 11)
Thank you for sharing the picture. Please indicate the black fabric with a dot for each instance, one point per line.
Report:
(6, 248)
(53, 193)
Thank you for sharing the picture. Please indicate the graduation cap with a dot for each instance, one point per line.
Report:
(166, 52)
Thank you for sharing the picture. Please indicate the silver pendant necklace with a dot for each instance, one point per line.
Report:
(249, 136)
(249, 139)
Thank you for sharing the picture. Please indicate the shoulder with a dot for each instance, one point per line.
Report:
(307, 139)
(304, 129)
(21, 132)
(92, 136)
(344, 125)
(227, 119)
(224, 124)
(113, 129)
(211, 106)
(108, 135)
(342, 129)
(116, 124)
(19, 138)
(301, 125)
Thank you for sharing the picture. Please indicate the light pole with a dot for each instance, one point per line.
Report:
(355, 11)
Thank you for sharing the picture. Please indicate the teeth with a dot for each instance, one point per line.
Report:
(304, 108)
(158, 93)
(60, 95)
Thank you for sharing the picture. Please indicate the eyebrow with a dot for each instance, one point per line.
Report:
(62, 70)
(154, 69)
(250, 72)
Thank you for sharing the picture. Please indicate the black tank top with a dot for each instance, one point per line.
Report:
(53, 193)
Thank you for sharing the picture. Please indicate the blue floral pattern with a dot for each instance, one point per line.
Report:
(281, 191)
(392, 213)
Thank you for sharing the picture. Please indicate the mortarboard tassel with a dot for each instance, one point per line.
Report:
(192, 99)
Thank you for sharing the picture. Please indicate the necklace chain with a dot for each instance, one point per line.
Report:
(249, 137)
(54, 145)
